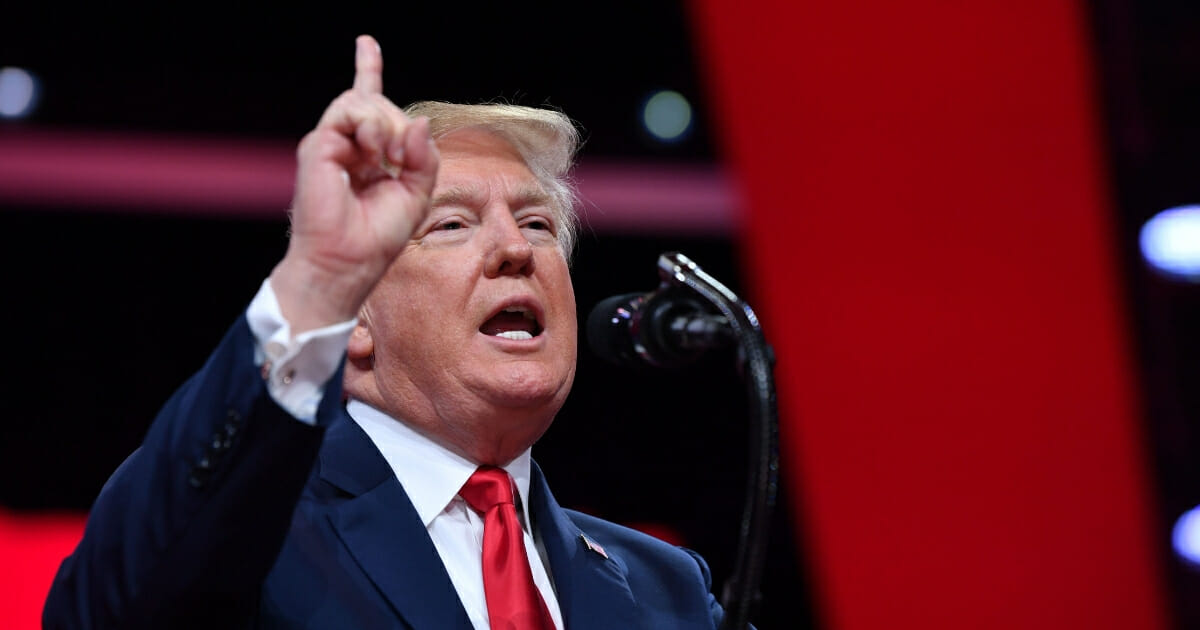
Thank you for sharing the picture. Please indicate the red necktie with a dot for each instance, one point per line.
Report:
(513, 602)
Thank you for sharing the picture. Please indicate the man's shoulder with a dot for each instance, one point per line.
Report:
(670, 582)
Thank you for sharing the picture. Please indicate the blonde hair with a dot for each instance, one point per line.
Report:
(546, 139)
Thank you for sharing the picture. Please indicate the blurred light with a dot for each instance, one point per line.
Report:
(667, 116)
(1170, 242)
(18, 93)
(1186, 536)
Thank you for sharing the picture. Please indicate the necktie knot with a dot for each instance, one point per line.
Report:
(487, 488)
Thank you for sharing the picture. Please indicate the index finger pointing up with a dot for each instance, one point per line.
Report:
(368, 65)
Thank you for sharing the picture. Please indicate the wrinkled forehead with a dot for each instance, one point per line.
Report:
(478, 141)
(472, 155)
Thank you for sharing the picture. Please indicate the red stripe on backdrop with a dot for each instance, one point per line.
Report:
(245, 178)
(32, 547)
(924, 197)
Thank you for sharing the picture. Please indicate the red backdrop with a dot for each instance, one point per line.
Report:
(31, 548)
(928, 215)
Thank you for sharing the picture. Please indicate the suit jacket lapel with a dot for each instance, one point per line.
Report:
(592, 590)
(384, 534)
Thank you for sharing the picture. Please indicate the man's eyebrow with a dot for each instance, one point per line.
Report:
(458, 196)
(473, 195)
(530, 196)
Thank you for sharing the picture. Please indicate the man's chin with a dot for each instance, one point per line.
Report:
(527, 387)
(538, 401)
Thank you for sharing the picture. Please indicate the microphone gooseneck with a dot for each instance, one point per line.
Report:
(688, 313)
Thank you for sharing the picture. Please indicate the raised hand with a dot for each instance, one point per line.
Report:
(363, 184)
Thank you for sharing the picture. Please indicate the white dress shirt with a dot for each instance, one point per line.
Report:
(432, 476)
(296, 369)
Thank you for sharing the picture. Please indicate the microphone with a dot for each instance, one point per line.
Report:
(665, 328)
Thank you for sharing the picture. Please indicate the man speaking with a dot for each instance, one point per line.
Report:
(356, 452)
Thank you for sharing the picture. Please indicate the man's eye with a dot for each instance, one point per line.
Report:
(451, 225)
(537, 225)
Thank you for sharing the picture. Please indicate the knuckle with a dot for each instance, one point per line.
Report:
(345, 102)
(318, 142)
(309, 142)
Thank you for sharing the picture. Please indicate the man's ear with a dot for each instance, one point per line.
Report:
(361, 349)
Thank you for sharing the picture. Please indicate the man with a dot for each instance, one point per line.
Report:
(429, 250)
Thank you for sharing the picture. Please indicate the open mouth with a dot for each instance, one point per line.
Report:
(514, 322)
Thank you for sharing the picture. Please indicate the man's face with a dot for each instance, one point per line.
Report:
(473, 326)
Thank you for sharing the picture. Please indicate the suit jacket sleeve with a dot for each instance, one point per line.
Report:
(185, 531)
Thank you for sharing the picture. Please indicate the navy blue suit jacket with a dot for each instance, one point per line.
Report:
(234, 514)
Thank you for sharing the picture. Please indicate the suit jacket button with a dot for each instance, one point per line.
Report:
(195, 480)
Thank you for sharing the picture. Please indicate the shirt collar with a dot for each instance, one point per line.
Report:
(430, 473)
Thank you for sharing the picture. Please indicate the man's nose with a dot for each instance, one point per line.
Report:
(510, 252)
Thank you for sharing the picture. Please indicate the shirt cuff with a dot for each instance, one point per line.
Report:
(295, 368)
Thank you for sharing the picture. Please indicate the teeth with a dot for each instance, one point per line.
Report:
(519, 335)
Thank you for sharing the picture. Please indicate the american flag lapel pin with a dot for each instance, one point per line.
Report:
(592, 546)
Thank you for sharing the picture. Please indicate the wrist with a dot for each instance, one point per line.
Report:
(312, 297)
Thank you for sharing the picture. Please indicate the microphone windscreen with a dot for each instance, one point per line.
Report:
(608, 329)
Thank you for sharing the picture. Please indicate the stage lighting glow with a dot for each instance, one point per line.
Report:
(18, 93)
(1170, 242)
(667, 115)
(1185, 537)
